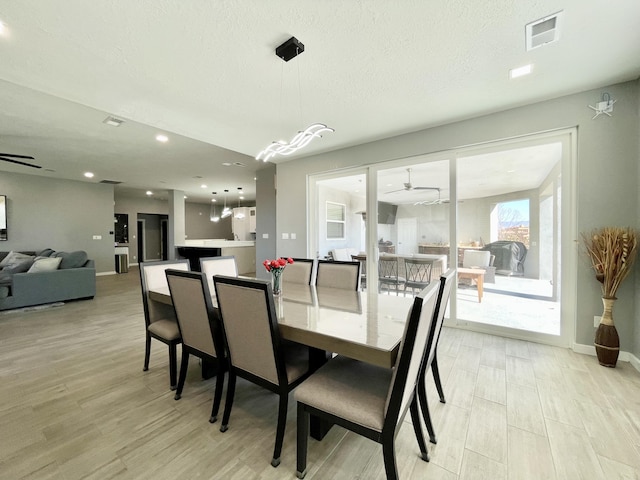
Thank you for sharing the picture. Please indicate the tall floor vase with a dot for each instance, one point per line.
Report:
(607, 342)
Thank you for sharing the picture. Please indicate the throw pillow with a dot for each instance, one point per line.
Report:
(45, 253)
(20, 267)
(73, 260)
(13, 257)
(45, 264)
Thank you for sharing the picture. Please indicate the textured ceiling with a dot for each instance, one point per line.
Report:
(206, 74)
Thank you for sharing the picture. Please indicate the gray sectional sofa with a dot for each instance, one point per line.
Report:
(74, 277)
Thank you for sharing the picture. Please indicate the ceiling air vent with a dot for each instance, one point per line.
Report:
(543, 31)
(110, 182)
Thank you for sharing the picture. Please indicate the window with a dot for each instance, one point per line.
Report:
(335, 221)
(512, 222)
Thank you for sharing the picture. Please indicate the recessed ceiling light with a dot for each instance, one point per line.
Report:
(149, 192)
(203, 186)
(520, 71)
(113, 121)
(226, 164)
(3, 29)
(186, 197)
(241, 198)
(88, 174)
(213, 200)
(162, 138)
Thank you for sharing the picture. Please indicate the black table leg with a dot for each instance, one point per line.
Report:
(318, 428)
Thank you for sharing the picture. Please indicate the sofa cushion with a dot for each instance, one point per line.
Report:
(75, 259)
(14, 258)
(45, 264)
(45, 253)
(19, 267)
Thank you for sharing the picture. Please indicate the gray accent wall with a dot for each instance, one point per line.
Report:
(60, 214)
(607, 179)
(198, 222)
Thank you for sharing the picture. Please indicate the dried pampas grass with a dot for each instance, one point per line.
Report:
(612, 251)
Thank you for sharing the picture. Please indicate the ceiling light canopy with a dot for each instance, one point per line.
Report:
(286, 51)
(520, 71)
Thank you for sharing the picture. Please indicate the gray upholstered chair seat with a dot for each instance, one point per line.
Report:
(165, 328)
(361, 387)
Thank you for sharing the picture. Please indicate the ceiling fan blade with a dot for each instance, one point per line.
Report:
(426, 188)
(16, 156)
(19, 162)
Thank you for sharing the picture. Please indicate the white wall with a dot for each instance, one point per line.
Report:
(607, 173)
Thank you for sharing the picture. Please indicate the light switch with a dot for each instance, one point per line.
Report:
(265, 235)
(285, 236)
(293, 236)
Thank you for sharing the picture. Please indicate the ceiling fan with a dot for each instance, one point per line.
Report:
(409, 187)
(438, 201)
(3, 156)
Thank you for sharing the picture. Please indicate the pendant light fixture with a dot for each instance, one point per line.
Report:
(226, 211)
(239, 214)
(212, 214)
(288, 50)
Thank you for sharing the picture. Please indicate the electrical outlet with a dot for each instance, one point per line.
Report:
(596, 320)
(293, 236)
(97, 237)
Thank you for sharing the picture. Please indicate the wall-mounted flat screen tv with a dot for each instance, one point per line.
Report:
(387, 213)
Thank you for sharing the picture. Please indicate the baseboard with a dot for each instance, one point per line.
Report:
(623, 357)
(113, 272)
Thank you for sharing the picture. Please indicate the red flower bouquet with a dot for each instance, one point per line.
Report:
(276, 267)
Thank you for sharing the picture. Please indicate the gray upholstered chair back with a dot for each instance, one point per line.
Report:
(411, 353)
(211, 266)
(345, 275)
(247, 312)
(192, 303)
(300, 271)
(152, 275)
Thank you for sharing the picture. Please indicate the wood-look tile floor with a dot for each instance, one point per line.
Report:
(75, 404)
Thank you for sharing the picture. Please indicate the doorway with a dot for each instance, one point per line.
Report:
(141, 249)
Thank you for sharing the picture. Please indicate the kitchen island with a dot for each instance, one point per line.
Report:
(244, 251)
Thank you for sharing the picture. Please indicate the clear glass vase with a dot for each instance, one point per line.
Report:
(276, 273)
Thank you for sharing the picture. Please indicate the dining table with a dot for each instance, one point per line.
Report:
(366, 326)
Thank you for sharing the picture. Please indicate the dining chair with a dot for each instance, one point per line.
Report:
(199, 326)
(388, 274)
(362, 258)
(300, 271)
(160, 321)
(256, 351)
(430, 357)
(211, 266)
(366, 399)
(345, 275)
(418, 273)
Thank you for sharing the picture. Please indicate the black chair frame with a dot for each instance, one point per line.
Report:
(394, 417)
(283, 388)
(218, 341)
(431, 359)
(173, 354)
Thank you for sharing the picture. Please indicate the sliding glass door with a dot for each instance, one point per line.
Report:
(502, 214)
